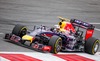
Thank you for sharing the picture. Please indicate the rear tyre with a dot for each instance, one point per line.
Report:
(92, 45)
(19, 30)
(56, 44)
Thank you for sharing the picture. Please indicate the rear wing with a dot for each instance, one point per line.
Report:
(82, 24)
(89, 27)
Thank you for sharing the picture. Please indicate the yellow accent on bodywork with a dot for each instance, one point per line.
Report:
(27, 37)
(63, 25)
(65, 19)
(62, 30)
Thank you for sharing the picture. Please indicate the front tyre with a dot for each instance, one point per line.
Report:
(19, 30)
(56, 44)
(92, 45)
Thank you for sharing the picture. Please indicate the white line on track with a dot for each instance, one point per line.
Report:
(95, 23)
(1, 33)
(3, 59)
(97, 29)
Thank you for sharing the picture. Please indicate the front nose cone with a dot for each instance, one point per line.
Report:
(27, 37)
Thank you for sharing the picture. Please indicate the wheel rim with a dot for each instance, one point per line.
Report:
(96, 47)
(23, 32)
(58, 47)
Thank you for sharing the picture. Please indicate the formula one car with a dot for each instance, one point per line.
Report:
(66, 36)
(37, 38)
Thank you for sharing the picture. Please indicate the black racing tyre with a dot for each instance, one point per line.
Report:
(19, 30)
(56, 44)
(91, 45)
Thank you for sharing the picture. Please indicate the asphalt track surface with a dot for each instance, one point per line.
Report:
(45, 12)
